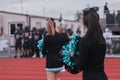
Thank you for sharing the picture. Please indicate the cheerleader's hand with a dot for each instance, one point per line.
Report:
(50, 23)
(71, 53)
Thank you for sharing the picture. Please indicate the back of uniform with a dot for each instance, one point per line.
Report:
(18, 39)
(26, 39)
(35, 38)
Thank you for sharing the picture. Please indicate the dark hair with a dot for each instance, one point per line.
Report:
(27, 28)
(34, 29)
(91, 21)
(95, 8)
(50, 18)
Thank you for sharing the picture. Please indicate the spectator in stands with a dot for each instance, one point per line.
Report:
(92, 48)
(52, 44)
(118, 17)
(107, 35)
(106, 9)
(18, 42)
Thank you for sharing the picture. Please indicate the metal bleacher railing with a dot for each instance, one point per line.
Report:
(112, 18)
(112, 21)
(115, 39)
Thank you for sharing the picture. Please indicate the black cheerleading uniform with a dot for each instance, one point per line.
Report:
(26, 40)
(52, 44)
(91, 59)
(35, 38)
(18, 38)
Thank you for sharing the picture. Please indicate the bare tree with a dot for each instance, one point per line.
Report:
(78, 15)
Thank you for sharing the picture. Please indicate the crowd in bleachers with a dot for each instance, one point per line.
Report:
(112, 17)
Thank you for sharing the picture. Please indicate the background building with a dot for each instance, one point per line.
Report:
(9, 21)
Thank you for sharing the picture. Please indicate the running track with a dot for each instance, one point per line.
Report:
(33, 69)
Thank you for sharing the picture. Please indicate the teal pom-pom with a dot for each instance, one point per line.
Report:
(40, 44)
(40, 47)
(72, 46)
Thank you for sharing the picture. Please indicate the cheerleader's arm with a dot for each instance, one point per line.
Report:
(44, 50)
(82, 57)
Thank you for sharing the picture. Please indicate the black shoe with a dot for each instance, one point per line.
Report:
(15, 56)
(26, 55)
(21, 56)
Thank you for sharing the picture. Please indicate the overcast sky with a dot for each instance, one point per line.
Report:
(52, 8)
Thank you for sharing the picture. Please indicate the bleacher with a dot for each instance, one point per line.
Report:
(112, 21)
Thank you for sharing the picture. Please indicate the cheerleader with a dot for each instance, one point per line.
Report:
(92, 47)
(52, 44)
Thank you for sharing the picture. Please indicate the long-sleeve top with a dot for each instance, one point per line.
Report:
(52, 44)
(91, 59)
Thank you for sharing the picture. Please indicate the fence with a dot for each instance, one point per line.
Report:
(5, 47)
(114, 45)
(112, 18)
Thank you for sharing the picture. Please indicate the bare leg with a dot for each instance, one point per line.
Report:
(16, 51)
(51, 76)
(111, 52)
(57, 75)
(21, 53)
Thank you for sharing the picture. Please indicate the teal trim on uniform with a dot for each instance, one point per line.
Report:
(55, 69)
